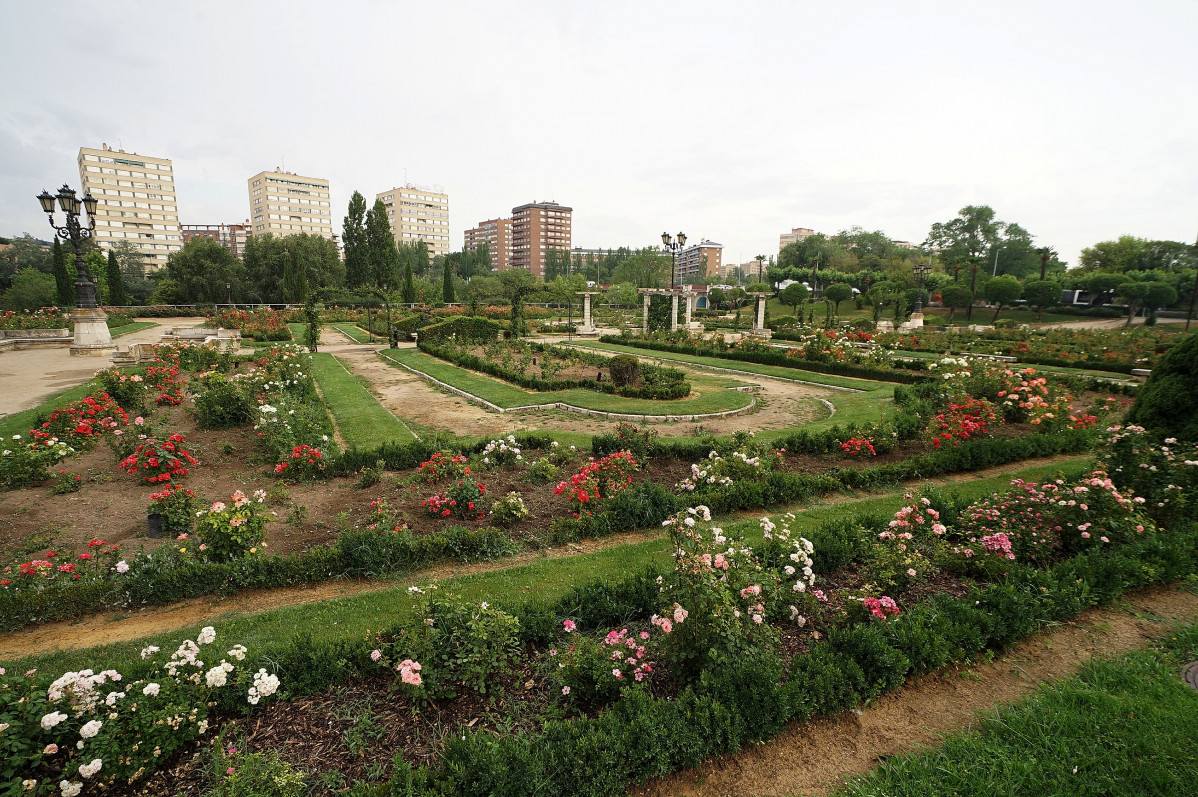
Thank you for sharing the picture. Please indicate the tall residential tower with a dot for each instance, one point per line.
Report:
(497, 235)
(135, 196)
(536, 228)
(285, 203)
(419, 214)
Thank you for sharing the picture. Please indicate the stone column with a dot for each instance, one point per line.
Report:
(760, 312)
(673, 311)
(586, 310)
(645, 316)
(690, 298)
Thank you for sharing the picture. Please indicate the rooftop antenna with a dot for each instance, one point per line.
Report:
(284, 163)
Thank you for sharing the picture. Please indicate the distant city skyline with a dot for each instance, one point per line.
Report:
(887, 116)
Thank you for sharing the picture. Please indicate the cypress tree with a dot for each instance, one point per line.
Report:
(63, 284)
(353, 235)
(409, 287)
(116, 282)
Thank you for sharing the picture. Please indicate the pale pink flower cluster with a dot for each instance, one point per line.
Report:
(627, 652)
(409, 672)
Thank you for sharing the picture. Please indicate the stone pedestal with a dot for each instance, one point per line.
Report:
(587, 327)
(915, 321)
(674, 310)
(92, 338)
(759, 329)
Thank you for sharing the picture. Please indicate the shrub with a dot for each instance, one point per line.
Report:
(625, 369)
(23, 464)
(598, 479)
(177, 506)
(597, 671)
(231, 532)
(157, 461)
(220, 403)
(509, 510)
(1167, 404)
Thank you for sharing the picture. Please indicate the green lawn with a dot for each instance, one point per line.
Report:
(362, 421)
(1119, 727)
(714, 393)
(354, 332)
(135, 326)
(541, 581)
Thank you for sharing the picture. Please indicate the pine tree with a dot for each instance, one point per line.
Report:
(353, 235)
(447, 283)
(116, 282)
(64, 285)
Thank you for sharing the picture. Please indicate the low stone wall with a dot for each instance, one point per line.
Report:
(35, 334)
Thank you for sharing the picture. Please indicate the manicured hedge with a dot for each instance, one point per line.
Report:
(778, 358)
(472, 329)
(657, 383)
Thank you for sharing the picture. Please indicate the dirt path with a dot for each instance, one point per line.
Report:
(781, 404)
(817, 757)
(109, 627)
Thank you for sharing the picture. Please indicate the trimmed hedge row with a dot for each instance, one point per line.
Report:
(750, 700)
(474, 329)
(647, 504)
(779, 359)
(658, 383)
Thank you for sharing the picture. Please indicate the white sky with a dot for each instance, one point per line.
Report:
(733, 121)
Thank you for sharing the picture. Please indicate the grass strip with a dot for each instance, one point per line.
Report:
(713, 394)
(544, 580)
(133, 326)
(353, 332)
(362, 420)
(1122, 726)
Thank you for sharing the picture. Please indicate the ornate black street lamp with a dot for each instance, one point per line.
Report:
(674, 246)
(921, 273)
(76, 233)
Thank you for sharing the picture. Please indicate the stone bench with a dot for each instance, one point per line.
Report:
(1141, 372)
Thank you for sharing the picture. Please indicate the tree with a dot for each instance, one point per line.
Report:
(97, 268)
(138, 287)
(1128, 253)
(623, 294)
(382, 253)
(24, 251)
(482, 289)
(408, 289)
(447, 283)
(311, 323)
(794, 294)
(1101, 284)
(516, 284)
(203, 268)
(716, 298)
(955, 297)
(1134, 292)
(30, 289)
(64, 285)
(837, 292)
(648, 268)
(353, 238)
(1001, 290)
(1156, 295)
(116, 282)
(1041, 294)
(968, 238)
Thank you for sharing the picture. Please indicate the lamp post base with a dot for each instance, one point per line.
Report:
(92, 338)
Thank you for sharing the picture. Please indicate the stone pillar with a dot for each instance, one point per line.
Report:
(689, 301)
(92, 338)
(760, 312)
(673, 311)
(759, 329)
(645, 316)
(586, 310)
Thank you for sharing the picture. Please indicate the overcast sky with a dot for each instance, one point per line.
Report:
(734, 121)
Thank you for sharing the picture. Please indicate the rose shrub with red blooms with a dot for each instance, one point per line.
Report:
(968, 418)
(96, 563)
(856, 446)
(443, 466)
(167, 387)
(464, 499)
(598, 479)
(158, 461)
(79, 425)
(305, 462)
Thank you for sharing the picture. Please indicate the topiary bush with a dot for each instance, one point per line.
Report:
(1167, 404)
(625, 369)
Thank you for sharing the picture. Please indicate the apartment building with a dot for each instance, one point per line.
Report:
(536, 228)
(497, 235)
(230, 236)
(795, 235)
(699, 261)
(285, 203)
(135, 200)
(418, 214)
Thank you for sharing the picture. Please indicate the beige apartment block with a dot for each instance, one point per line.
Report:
(285, 203)
(418, 214)
(795, 235)
(536, 228)
(497, 235)
(698, 262)
(135, 201)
